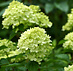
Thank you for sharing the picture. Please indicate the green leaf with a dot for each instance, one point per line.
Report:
(61, 42)
(70, 51)
(2, 47)
(12, 65)
(20, 0)
(2, 69)
(4, 3)
(21, 68)
(4, 61)
(2, 11)
(13, 33)
(32, 66)
(54, 65)
(63, 6)
(54, 42)
(48, 7)
(21, 27)
(63, 56)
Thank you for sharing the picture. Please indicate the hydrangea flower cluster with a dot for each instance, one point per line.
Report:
(69, 24)
(17, 14)
(10, 47)
(69, 43)
(69, 68)
(35, 44)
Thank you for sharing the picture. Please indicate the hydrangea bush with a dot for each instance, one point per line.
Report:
(68, 44)
(34, 44)
(69, 37)
(34, 50)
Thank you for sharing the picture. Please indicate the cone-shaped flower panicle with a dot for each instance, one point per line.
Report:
(35, 43)
(69, 25)
(69, 41)
(17, 13)
(7, 48)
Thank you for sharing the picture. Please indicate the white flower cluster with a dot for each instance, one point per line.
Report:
(17, 14)
(35, 44)
(8, 46)
(69, 68)
(69, 43)
(69, 24)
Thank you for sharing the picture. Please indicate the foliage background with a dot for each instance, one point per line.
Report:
(57, 11)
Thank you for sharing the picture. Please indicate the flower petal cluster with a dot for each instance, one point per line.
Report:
(69, 68)
(69, 25)
(69, 43)
(35, 44)
(10, 46)
(17, 14)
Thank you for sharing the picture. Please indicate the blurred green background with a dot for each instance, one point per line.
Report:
(57, 11)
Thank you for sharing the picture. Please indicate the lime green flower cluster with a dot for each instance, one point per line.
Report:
(17, 14)
(69, 43)
(69, 24)
(35, 44)
(69, 68)
(9, 48)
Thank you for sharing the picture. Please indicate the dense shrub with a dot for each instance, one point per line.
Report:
(29, 43)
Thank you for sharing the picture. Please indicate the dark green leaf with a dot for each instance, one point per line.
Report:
(32, 66)
(2, 69)
(4, 3)
(54, 42)
(12, 65)
(63, 6)
(21, 68)
(48, 7)
(43, 1)
(61, 42)
(63, 56)
(21, 27)
(4, 61)
(2, 11)
(2, 47)
(55, 65)
(13, 33)
(19, 0)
